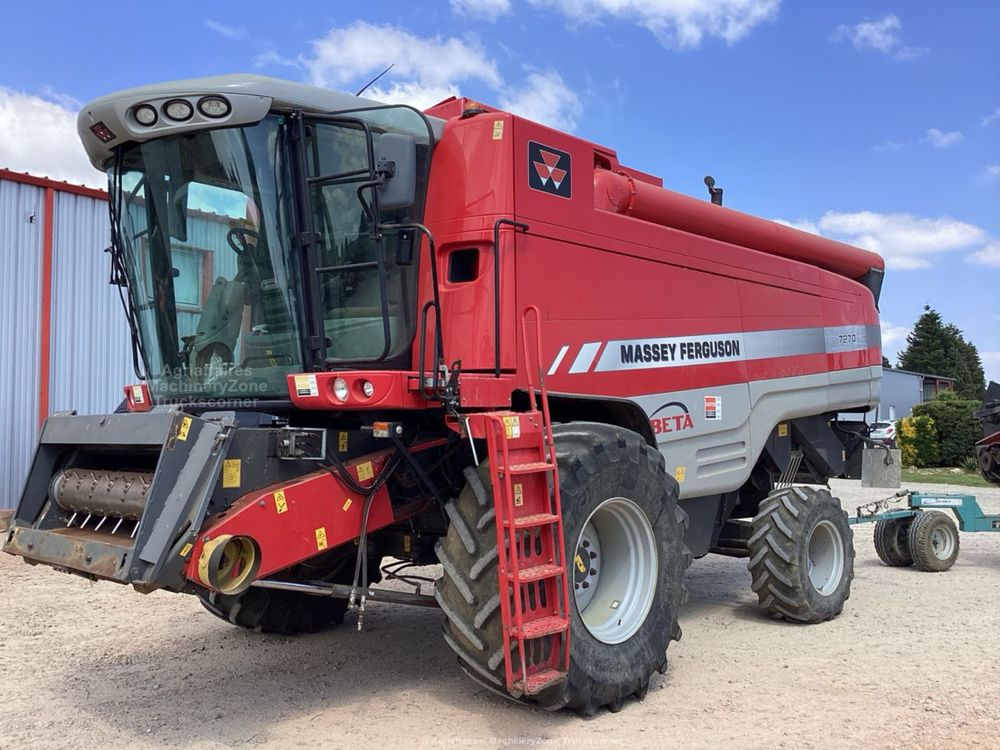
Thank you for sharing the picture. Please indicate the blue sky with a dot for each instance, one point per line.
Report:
(873, 122)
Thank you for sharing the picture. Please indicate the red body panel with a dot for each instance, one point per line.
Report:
(620, 259)
(300, 519)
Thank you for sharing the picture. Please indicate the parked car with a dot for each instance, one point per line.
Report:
(884, 433)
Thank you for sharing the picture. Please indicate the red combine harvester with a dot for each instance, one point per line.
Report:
(456, 336)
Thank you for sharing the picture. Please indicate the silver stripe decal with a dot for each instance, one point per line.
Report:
(558, 360)
(680, 351)
(586, 357)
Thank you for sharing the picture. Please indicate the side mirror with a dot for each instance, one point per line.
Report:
(179, 214)
(396, 161)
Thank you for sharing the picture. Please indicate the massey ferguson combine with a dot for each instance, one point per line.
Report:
(368, 338)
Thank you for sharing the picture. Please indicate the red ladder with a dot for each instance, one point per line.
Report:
(534, 586)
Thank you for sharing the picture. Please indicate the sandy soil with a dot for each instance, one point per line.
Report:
(910, 663)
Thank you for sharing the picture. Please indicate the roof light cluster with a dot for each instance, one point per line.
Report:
(181, 110)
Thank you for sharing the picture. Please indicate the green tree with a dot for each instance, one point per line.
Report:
(939, 348)
(955, 426)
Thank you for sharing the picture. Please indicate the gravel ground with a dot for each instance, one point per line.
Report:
(908, 664)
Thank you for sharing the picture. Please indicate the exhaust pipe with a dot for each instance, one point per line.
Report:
(228, 564)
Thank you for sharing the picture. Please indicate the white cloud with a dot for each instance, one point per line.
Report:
(427, 70)
(888, 147)
(225, 29)
(905, 241)
(679, 24)
(881, 35)
(489, 10)
(989, 119)
(545, 98)
(940, 139)
(989, 175)
(893, 338)
(988, 256)
(39, 136)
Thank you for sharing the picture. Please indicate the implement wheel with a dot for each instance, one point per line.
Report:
(801, 555)
(620, 516)
(892, 544)
(933, 541)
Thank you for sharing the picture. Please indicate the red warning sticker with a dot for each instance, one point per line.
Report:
(713, 407)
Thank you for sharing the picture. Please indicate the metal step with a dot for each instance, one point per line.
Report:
(541, 627)
(532, 468)
(537, 573)
(539, 681)
(533, 521)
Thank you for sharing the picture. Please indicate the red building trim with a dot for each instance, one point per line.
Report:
(50, 184)
(45, 328)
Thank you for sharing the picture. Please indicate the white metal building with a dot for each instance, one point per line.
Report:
(63, 339)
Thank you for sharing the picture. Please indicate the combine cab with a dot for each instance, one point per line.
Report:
(367, 337)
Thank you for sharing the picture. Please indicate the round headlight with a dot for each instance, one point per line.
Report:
(179, 110)
(368, 388)
(340, 389)
(214, 106)
(144, 115)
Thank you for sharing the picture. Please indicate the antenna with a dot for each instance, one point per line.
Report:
(367, 85)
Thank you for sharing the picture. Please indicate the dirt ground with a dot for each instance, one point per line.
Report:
(910, 663)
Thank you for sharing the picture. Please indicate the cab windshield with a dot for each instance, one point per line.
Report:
(208, 244)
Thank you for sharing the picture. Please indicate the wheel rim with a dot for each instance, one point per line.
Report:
(615, 570)
(826, 557)
(942, 542)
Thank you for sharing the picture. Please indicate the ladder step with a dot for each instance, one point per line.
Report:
(538, 572)
(541, 627)
(532, 521)
(539, 681)
(535, 467)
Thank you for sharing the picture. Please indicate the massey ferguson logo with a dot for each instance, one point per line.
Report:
(549, 170)
(673, 417)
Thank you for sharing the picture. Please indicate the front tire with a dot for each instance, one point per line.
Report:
(604, 472)
(801, 555)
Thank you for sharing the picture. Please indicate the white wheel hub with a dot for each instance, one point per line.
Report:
(825, 550)
(615, 568)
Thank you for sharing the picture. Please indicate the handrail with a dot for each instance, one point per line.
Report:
(496, 285)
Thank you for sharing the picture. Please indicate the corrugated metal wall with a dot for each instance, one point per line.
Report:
(21, 221)
(91, 351)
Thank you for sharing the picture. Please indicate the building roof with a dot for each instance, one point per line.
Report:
(47, 182)
(925, 375)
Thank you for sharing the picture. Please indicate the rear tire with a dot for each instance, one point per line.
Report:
(933, 541)
(597, 463)
(892, 541)
(801, 555)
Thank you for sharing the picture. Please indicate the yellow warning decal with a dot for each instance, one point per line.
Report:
(406, 544)
(579, 564)
(347, 504)
(512, 426)
(230, 473)
(497, 130)
(321, 537)
(679, 473)
(280, 504)
(137, 394)
(342, 442)
(518, 495)
(782, 430)
(185, 428)
(186, 549)
(365, 471)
